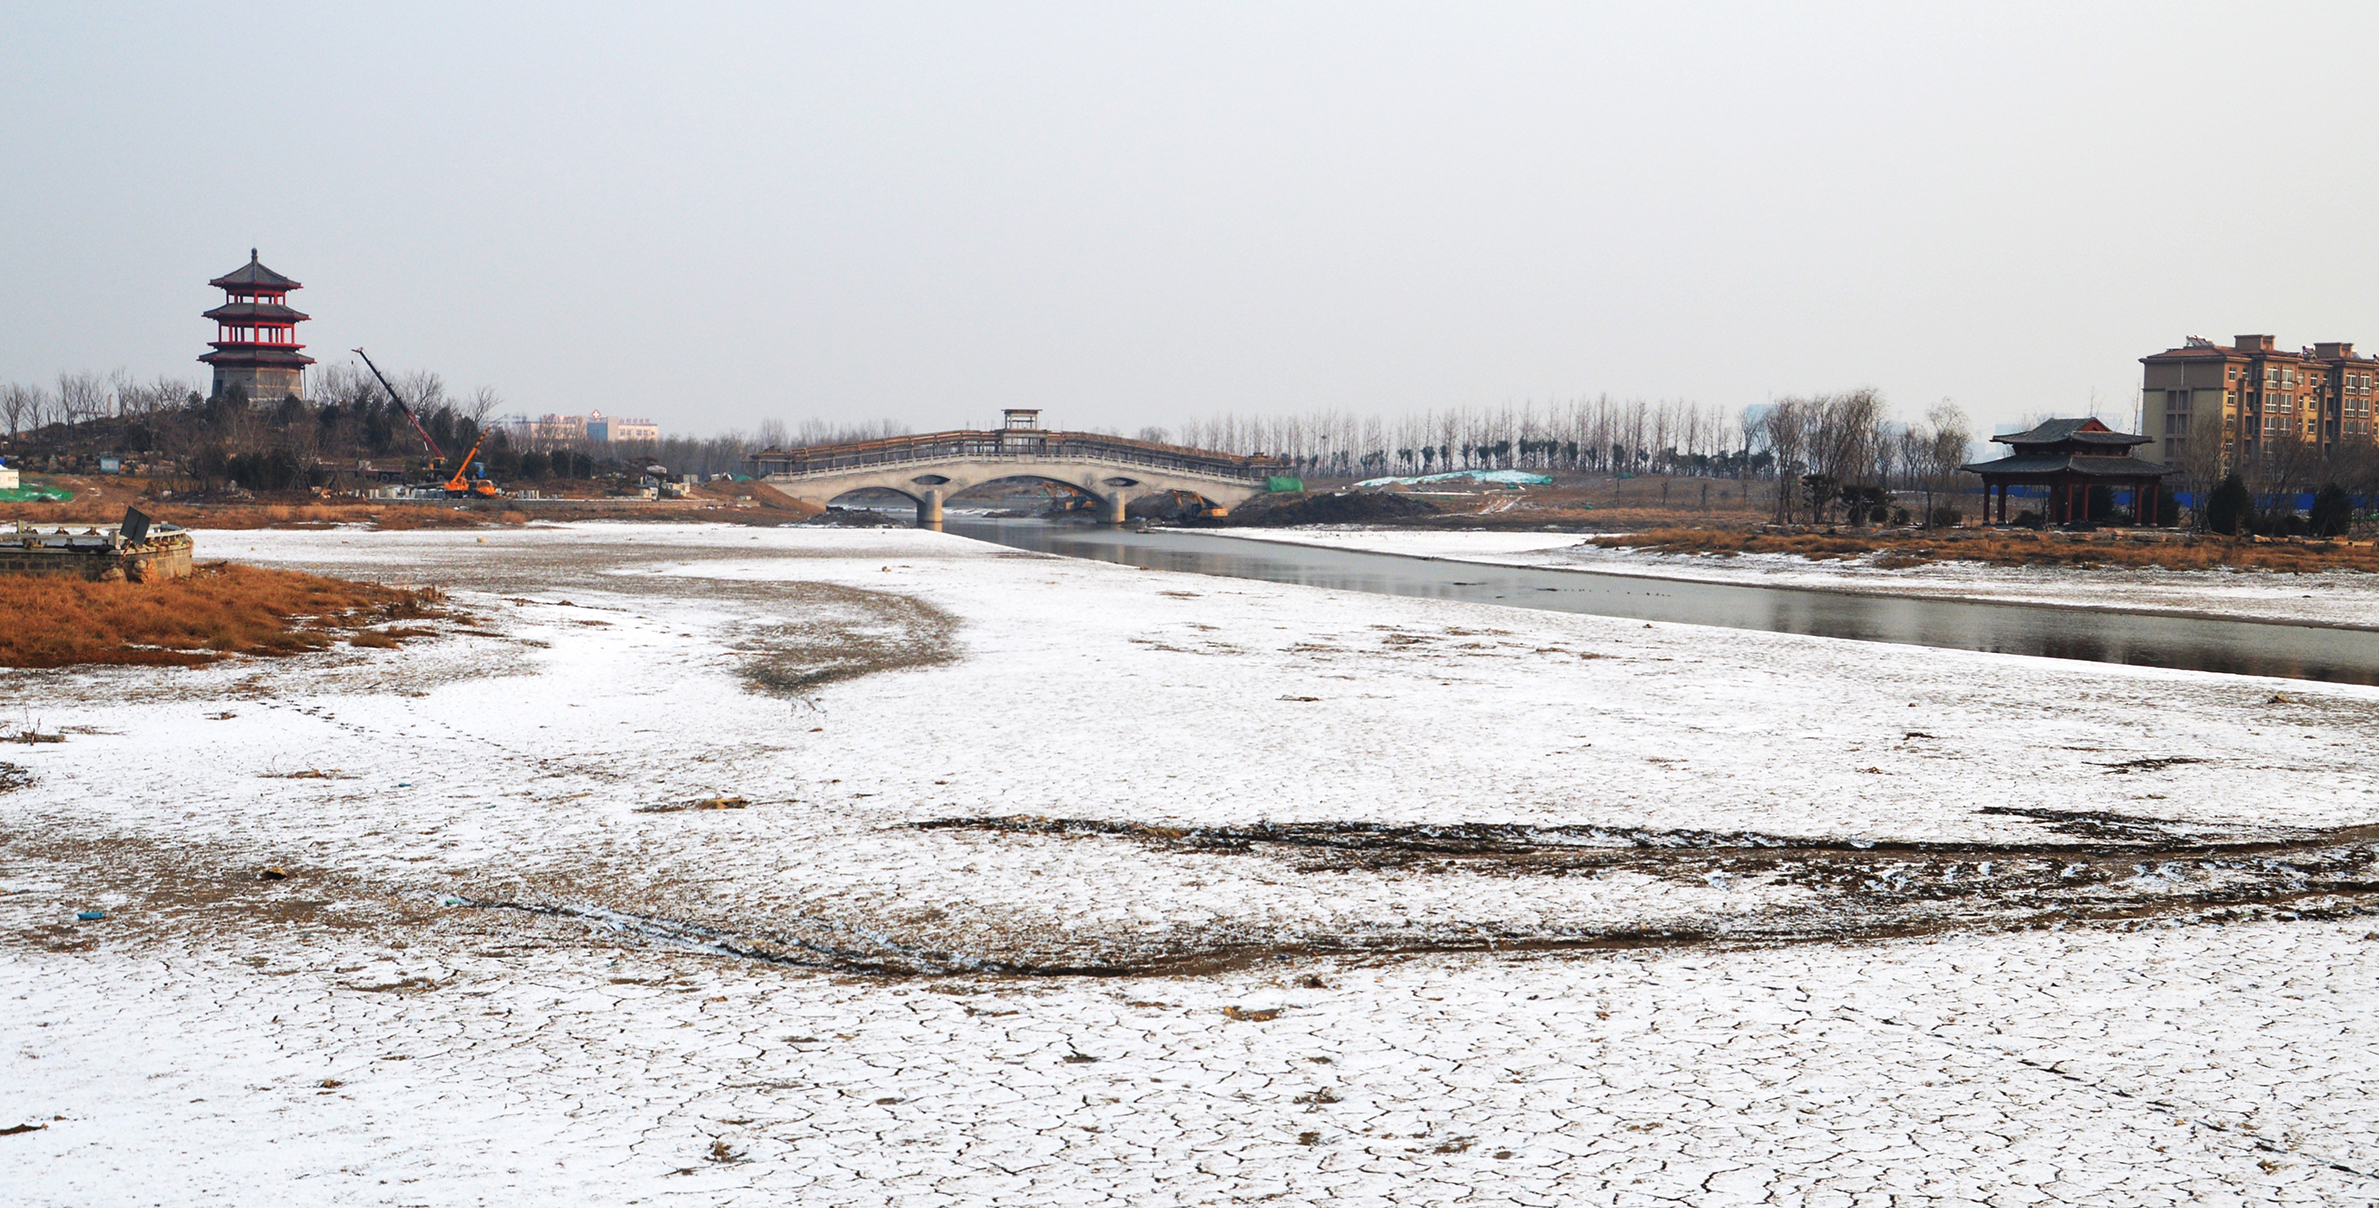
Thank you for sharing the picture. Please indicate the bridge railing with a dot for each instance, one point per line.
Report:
(1007, 444)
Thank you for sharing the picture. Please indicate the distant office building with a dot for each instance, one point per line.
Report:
(255, 341)
(551, 431)
(624, 430)
(2247, 396)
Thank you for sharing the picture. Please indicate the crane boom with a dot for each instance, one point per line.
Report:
(436, 457)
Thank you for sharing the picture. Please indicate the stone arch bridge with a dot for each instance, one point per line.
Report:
(931, 468)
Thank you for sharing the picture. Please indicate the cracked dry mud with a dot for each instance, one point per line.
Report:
(1386, 901)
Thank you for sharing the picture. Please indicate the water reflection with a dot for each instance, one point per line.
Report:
(2191, 643)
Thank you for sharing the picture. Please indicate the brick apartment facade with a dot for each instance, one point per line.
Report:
(2251, 394)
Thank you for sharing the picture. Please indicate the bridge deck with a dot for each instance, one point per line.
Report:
(1010, 444)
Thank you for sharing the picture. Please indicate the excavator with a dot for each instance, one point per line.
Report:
(461, 485)
(1194, 506)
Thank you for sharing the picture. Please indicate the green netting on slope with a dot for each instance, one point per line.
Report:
(35, 493)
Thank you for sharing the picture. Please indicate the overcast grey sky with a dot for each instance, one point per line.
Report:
(1135, 213)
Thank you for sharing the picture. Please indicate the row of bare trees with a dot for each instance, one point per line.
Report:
(2282, 465)
(231, 440)
(1603, 434)
(1843, 449)
(2278, 473)
(77, 398)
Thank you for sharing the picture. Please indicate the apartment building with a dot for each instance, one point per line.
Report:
(2251, 393)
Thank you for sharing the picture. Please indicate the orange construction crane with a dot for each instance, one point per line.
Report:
(460, 485)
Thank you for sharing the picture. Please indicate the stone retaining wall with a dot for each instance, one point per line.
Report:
(95, 554)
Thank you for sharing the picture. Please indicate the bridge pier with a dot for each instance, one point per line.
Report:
(1113, 510)
(929, 509)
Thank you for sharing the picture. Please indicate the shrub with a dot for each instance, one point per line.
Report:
(2230, 509)
(1946, 517)
(2332, 511)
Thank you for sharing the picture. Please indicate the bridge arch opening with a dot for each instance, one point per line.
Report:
(877, 499)
(1027, 494)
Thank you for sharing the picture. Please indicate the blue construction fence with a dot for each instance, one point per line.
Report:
(2123, 499)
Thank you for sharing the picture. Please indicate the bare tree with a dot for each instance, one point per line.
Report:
(16, 405)
(424, 390)
(1947, 452)
(483, 402)
(820, 432)
(83, 396)
(1787, 428)
(344, 386)
(1913, 450)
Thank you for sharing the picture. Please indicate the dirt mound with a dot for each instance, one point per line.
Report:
(1355, 507)
(768, 498)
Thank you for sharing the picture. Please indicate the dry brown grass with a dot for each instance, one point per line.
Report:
(221, 610)
(82, 513)
(100, 500)
(393, 516)
(1998, 548)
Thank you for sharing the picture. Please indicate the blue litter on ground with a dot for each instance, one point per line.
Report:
(89, 916)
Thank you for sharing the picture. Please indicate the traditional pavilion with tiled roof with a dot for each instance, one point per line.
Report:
(255, 342)
(2069, 456)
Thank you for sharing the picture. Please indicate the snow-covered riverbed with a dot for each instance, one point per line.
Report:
(493, 972)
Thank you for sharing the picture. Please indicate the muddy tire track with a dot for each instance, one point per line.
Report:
(2156, 870)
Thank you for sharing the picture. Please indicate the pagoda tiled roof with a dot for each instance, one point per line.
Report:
(2086, 430)
(266, 311)
(2079, 464)
(255, 276)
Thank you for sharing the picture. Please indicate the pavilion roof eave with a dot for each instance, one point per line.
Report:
(255, 310)
(279, 354)
(2050, 468)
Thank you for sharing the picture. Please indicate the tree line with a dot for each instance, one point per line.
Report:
(1600, 434)
(230, 440)
(2260, 493)
(1830, 454)
(1838, 456)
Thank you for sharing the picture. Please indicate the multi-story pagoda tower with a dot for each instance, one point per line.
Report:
(256, 344)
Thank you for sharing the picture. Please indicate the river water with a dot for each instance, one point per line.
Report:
(2149, 639)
